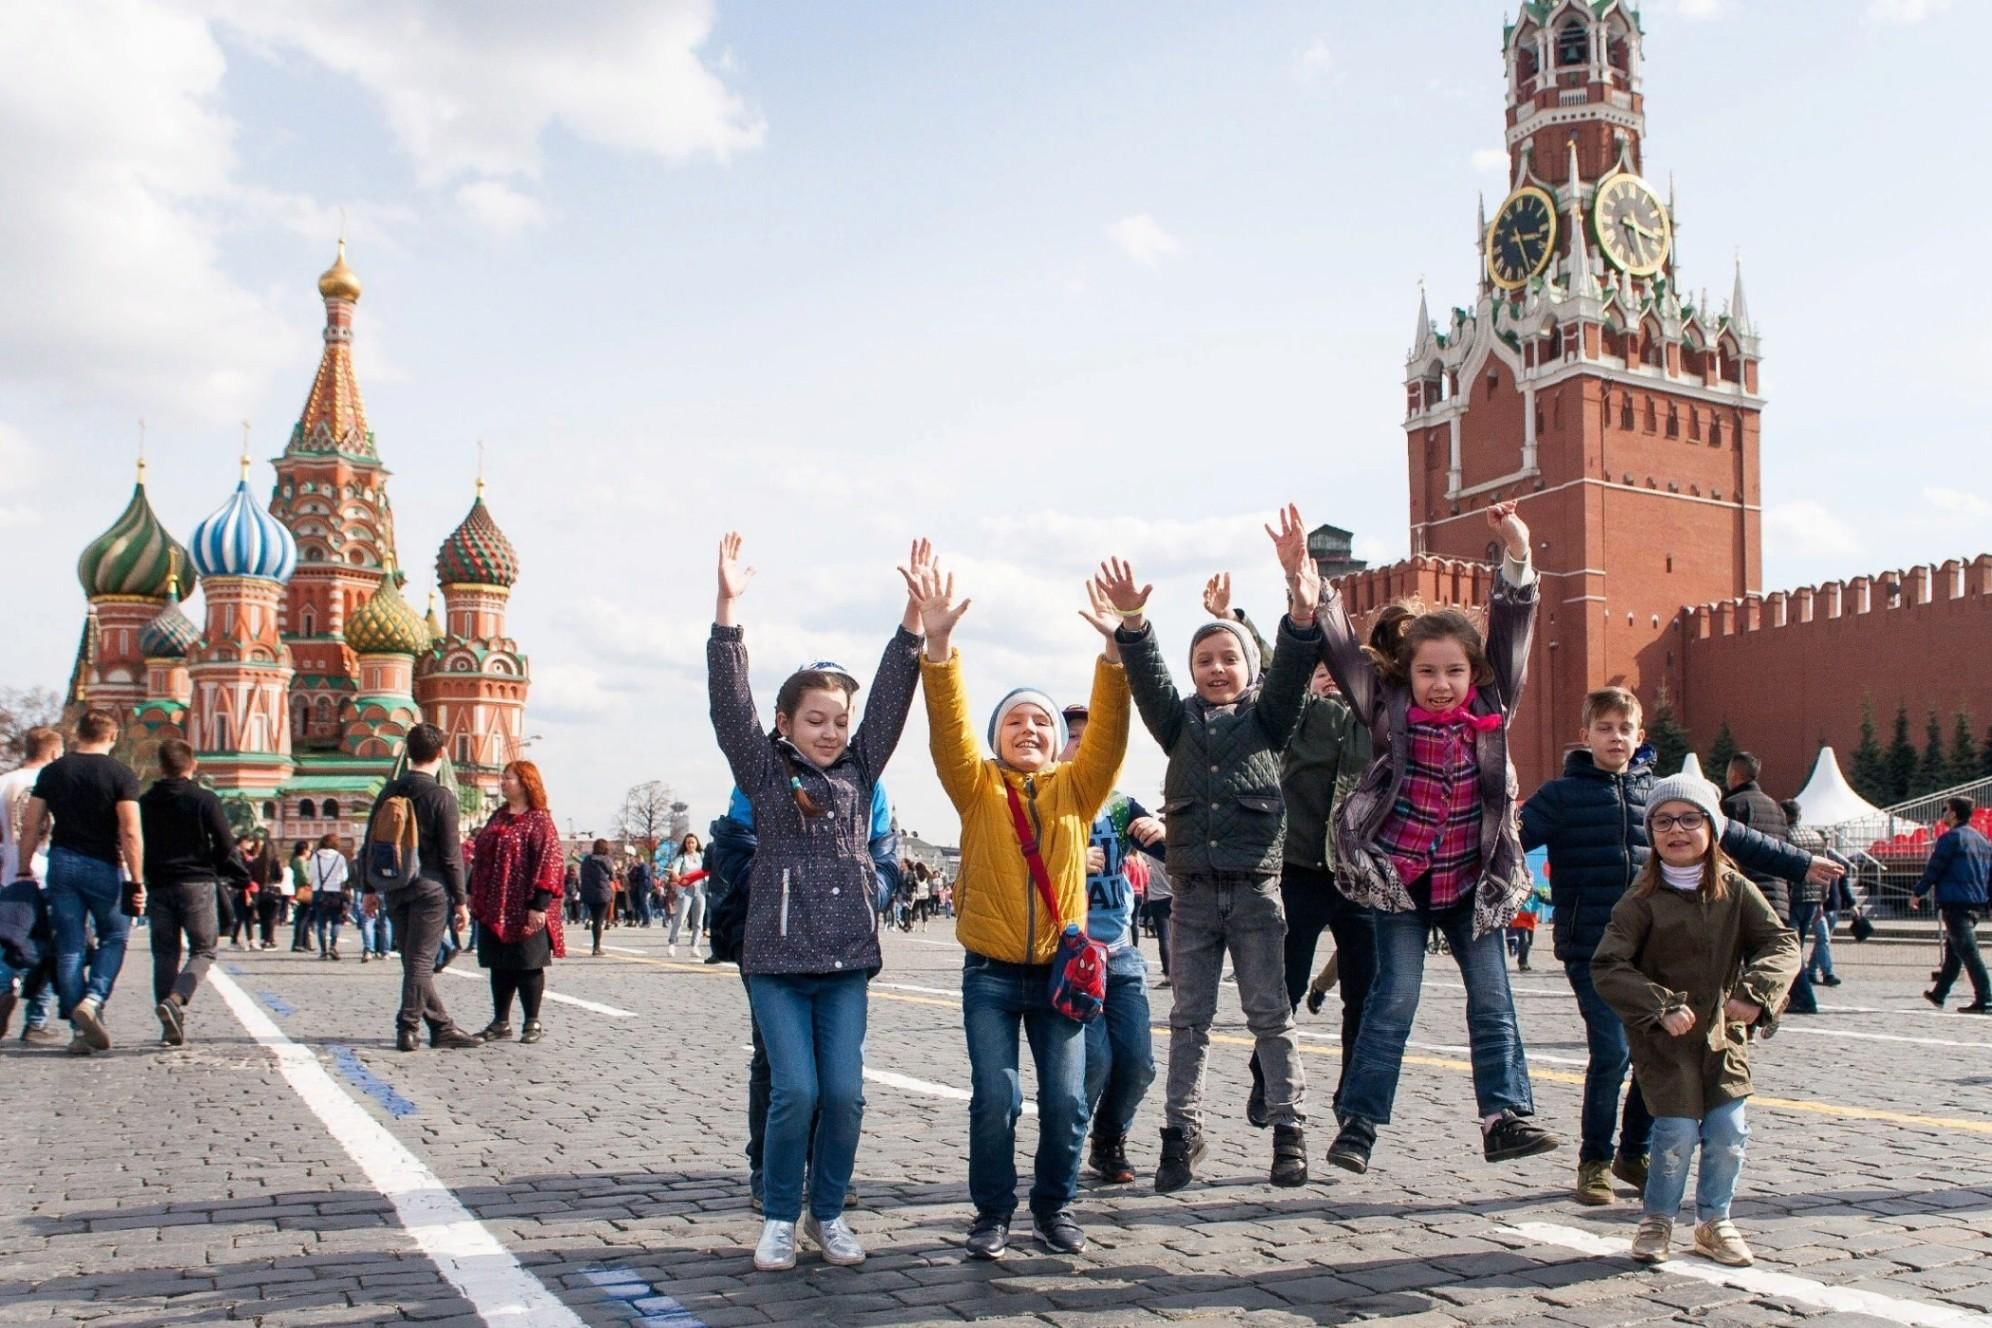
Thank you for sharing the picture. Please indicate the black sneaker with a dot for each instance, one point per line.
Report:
(989, 1237)
(1976, 1007)
(1353, 1142)
(1828, 981)
(1108, 1160)
(1057, 1232)
(1179, 1160)
(172, 1022)
(1289, 1156)
(1934, 999)
(1515, 1136)
(1255, 1106)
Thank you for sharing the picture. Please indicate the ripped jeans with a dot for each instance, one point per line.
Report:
(1721, 1135)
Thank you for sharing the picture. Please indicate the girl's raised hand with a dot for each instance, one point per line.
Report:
(1117, 580)
(1099, 613)
(918, 557)
(933, 591)
(1290, 542)
(1217, 595)
(733, 577)
(1505, 520)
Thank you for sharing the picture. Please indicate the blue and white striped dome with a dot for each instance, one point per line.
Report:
(243, 539)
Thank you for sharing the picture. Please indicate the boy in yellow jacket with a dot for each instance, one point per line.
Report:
(1006, 974)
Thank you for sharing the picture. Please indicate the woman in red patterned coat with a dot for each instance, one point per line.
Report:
(516, 879)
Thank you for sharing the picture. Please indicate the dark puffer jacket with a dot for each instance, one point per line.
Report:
(1594, 825)
(1750, 805)
(1221, 796)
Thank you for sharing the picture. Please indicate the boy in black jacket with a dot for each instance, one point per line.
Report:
(189, 853)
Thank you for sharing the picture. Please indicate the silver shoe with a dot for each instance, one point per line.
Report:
(777, 1248)
(836, 1239)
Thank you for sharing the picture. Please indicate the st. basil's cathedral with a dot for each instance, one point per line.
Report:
(308, 666)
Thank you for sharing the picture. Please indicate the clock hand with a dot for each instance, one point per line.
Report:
(1651, 235)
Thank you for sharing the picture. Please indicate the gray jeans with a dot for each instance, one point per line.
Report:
(420, 915)
(1239, 912)
(170, 910)
(689, 915)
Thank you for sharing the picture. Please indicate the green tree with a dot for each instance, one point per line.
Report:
(1901, 760)
(1963, 753)
(1870, 773)
(1668, 736)
(1933, 771)
(1717, 762)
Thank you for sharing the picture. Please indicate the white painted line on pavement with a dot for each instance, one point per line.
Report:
(922, 1086)
(658, 1310)
(1787, 1027)
(1451, 1049)
(460, 1246)
(595, 1006)
(1759, 1281)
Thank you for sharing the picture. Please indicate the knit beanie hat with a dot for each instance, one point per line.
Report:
(1033, 697)
(1246, 645)
(1690, 789)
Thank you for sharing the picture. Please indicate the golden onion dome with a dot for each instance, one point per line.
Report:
(339, 281)
(385, 625)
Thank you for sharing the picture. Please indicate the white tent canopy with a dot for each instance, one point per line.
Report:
(1692, 766)
(1829, 800)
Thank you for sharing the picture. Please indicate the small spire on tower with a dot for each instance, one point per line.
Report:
(480, 470)
(245, 452)
(1739, 307)
(141, 451)
(1424, 329)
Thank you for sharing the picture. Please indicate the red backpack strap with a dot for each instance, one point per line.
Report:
(1027, 841)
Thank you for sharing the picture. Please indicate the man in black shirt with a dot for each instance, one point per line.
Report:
(421, 908)
(189, 851)
(93, 797)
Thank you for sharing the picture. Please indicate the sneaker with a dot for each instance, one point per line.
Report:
(1179, 1160)
(1655, 1241)
(495, 1032)
(1934, 999)
(671, 950)
(38, 1033)
(836, 1239)
(1976, 1007)
(989, 1237)
(1631, 1168)
(80, 1046)
(777, 1248)
(172, 1022)
(1594, 1184)
(364, 956)
(1351, 1149)
(1057, 1232)
(1515, 1136)
(1108, 1160)
(1255, 1107)
(1289, 1156)
(89, 1025)
(1828, 981)
(1719, 1240)
(1162, 981)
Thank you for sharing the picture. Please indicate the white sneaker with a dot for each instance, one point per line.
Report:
(89, 1025)
(671, 950)
(777, 1248)
(836, 1239)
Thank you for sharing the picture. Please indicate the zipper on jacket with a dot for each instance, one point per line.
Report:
(785, 902)
(1030, 888)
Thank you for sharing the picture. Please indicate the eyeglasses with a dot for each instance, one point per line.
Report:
(1685, 821)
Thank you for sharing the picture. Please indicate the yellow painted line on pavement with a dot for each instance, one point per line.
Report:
(1841, 1109)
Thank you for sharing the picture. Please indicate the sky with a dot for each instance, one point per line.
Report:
(1044, 282)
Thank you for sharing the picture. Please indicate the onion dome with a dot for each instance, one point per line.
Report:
(477, 552)
(170, 634)
(241, 538)
(385, 625)
(135, 556)
(339, 282)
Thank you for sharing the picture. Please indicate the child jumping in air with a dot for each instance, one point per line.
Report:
(811, 942)
(1428, 837)
(1694, 956)
(1226, 843)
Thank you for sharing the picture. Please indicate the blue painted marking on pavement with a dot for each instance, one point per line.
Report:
(368, 1082)
(280, 1007)
(233, 970)
(657, 1309)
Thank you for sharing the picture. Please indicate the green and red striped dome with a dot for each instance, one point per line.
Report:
(136, 556)
(477, 552)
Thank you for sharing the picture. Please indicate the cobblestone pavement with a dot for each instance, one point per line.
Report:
(193, 1186)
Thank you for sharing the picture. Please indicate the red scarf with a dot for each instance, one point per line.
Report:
(1459, 714)
(517, 855)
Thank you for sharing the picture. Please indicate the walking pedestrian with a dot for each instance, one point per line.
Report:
(638, 884)
(34, 961)
(327, 871)
(515, 887)
(1957, 872)
(190, 859)
(688, 879)
(598, 889)
(1790, 897)
(413, 860)
(93, 797)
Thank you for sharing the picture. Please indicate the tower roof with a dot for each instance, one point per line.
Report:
(136, 556)
(170, 634)
(241, 538)
(477, 552)
(334, 417)
(385, 624)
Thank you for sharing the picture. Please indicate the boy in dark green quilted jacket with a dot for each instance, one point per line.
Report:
(1226, 832)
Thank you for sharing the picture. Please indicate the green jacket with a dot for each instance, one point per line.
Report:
(1323, 761)
(1669, 951)
(1221, 796)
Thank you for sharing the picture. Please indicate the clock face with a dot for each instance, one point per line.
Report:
(1522, 238)
(1632, 225)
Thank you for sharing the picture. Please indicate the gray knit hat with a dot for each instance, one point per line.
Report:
(1247, 647)
(1690, 789)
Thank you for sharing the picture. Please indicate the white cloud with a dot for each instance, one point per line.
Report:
(1317, 60)
(1142, 239)
(19, 467)
(1700, 8)
(1807, 529)
(1953, 503)
(498, 207)
(1904, 11)
(1491, 161)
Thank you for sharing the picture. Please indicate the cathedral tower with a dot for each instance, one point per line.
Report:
(127, 572)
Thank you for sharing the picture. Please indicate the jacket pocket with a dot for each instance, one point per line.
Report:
(1268, 803)
(783, 929)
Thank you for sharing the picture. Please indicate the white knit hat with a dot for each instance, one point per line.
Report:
(1247, 647)
(1033, 697)
(1691, 789)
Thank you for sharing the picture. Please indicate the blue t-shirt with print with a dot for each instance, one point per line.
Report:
(1109, 897)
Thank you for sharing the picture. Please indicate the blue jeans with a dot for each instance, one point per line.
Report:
(81, 886)
(997, 999)
(1120, 1058)
(375, 933)
(1604, 1076)
(1500, 1068)
(1803, 1000)
(1820, 965)
(1721, 1135)
(329, 914)
(814, 1028)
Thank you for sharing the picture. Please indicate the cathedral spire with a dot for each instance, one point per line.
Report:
(1424, 329)
(334, 419)
(1582, 284)
(1739, 306)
